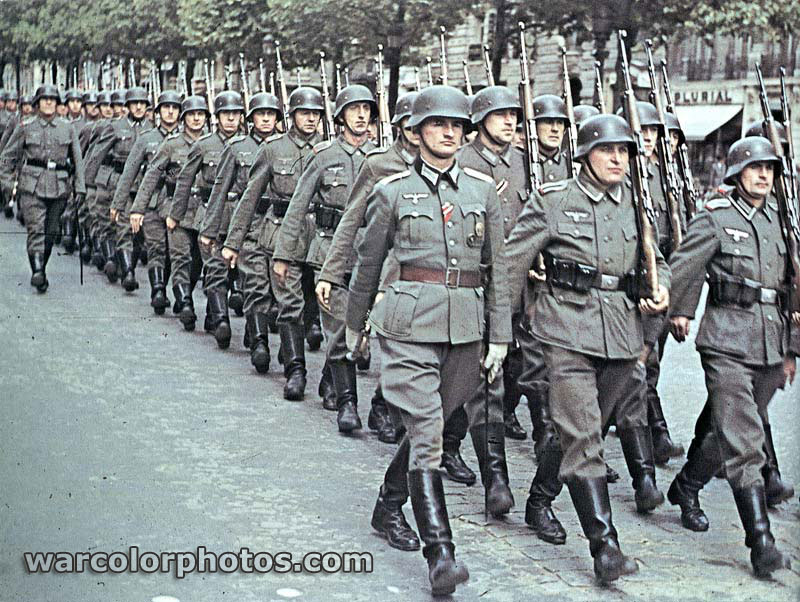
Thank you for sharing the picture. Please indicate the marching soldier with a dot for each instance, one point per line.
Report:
(550, 113)
(192, 192)
(443, 223)
(738, 245)
(111, 148)
(159, 183)
(74, 99)
(378, 164)
(118, 102)
(168, 106)
(231, 180)
(45, 149)
(88, 137)
(271, 184)
(589, 328)
(326, 182)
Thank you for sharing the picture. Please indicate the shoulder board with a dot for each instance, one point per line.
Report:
(173, 135)
(378, 151)
(395, 176)
(30, 119)
(321, 146)
(273, 137)
(717, 204)
(204, 136)
(477, 174)
(236, 139)
(553, 186)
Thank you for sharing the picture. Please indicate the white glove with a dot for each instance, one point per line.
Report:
(494, 359)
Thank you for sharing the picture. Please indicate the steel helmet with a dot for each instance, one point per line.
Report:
(746, 151)
(354, 93)
(440, 101)
(602, 129)
(494, 98)
(264, 100)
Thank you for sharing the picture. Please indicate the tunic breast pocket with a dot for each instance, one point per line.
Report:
(210, 164)
(284, 178)
(334, 188)
(474, 215)
(737, 257)
(630, 254)
(416, 227)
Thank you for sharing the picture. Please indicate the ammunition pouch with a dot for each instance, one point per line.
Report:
(327, 217)
(742, 292)
(263, 205)
(574, 276)
(279, 207)
(170, 186)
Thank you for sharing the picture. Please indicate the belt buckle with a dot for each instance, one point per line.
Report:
(452, 277)
(769, 295)
(609, 283)
(51, 164)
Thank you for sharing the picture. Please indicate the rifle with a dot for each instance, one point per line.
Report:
(245, 82)
(787, 199)
(487, 65)
(338, 78)
(282, 84)
(262, 76)
(328, 128)
(443, 54)
(210, 94)
(384, 120)
(86, 85)
(182, 78)
(132, 73)
(690, 195)
(533, 168)
(430, 70)
(572, 131)
(670, 182)
(272, 83)
(417, 83)
(787, 126)
(347, 76)
(598, 88)
(645, 215)
(228, 71)
(299, 82)
(467, 82)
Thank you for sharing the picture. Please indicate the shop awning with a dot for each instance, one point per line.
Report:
(698, 121)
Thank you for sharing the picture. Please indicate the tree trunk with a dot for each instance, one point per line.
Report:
(394, 55)
(18, 70)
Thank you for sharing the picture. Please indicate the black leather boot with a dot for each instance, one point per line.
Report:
(637, 446)
(545, 487)
(489, 444)
(344, 381)
(430, 512)
(259, 341)
(217, 319)
(158, 290)
(127, 271)
(387, 517)
(294, 361)
(775, 489)
(185, 303)
(612, 476)
(314, 336)
(326, 390)
(68, 232)
(663, 446)
(511, 397)
(8, 209)
(272, 314)
(702, 463)
(110, 260)
(539, 406)
(455, 428)
(98, 260)
(236, 297)
(590, 498)
(86, 246)
(764, 556)
(378, 411)
(38, 277)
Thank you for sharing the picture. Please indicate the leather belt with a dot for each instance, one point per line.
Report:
(279, 207)
(451, 277)
(47, 164)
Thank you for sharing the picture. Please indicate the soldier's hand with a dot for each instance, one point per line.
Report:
(494, 359)
(230, 256)
(280, 268)
(206, 243)
(789, 367)
(796, 318)
(535, 276)
(657, 305)
(323, 291)
(136, 222)
(679, 327)
(171, 224)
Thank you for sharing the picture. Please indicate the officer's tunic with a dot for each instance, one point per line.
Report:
(259, 213)
(741, 344)
(46, 152)
(591, 338)
(448, 224)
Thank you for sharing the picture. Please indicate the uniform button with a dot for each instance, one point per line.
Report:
(605, 299)
(561, 297)
(283, 172)
(505, 219)
(577, 232)
(769, 318)
(449, 225)
(452, 243)
(414, 214)
(551, 177)
(414, 202)
(606, 217)
(453, 261)
(608, 260)
(736, 252)
(443, 186)
(606, 239)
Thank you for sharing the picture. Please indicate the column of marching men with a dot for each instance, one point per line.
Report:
(479, 289)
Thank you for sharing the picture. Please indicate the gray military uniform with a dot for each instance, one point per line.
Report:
(47, 154)
(742, 341)
(445, 227)
(591, 334)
